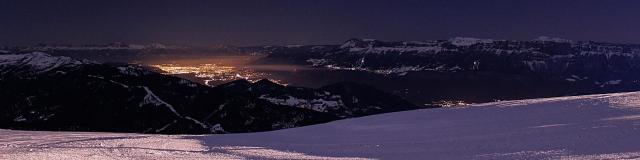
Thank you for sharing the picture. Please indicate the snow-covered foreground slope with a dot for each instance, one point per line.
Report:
(583, 127)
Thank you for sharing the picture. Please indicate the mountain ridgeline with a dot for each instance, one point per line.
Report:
(44, 92)
(476, 70)
(51, 91)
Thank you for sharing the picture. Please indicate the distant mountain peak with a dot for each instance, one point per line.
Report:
(266, 82)
(468, 41)
(35, 62)
(358, 42)
(551, 39)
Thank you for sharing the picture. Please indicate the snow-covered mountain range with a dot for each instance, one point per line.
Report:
(431, 72)
(604, 126)
(44, 92)
(34, 63)
(476, 70)
(544, 54)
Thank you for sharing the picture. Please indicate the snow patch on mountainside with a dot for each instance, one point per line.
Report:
(133, 70)
(318, 62)
(466, 41)
(217, 128)
(320, 105)
(401, 71)
(398, 71)
(607, 54)
(348, 44)
(153, 99)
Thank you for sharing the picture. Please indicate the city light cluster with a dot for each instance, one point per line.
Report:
(215, 73)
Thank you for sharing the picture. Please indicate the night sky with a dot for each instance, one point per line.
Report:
(236, 22)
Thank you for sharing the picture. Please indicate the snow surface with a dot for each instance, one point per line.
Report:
(605, 126)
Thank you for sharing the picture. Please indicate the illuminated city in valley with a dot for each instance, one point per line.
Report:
(213, 74)
(320, 79)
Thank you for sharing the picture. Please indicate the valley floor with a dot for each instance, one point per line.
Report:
(605, 126)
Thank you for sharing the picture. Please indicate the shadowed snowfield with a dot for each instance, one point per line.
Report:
(603, 126)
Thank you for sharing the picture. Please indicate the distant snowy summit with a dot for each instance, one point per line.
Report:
(466, 41)
(35, 63)
(552, 39)
(354, 42)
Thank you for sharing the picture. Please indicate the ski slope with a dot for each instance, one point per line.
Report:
(605, 126)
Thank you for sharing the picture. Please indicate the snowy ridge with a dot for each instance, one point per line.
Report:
(36, 62)
(397, 71)
(197, 122)
(165, 126)
(466, 41)
(375, 46)
(628, 100)
(355, 42)
(427, 49)
(153, 99)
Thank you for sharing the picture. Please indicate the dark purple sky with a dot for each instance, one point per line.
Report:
(236, 22)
